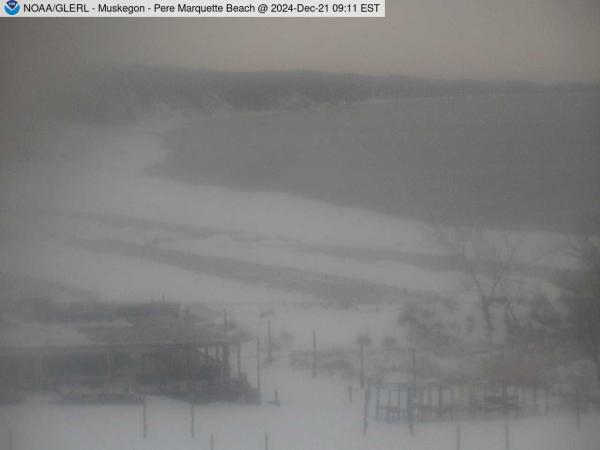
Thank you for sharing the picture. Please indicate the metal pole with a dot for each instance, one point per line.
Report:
(362, 365)
(409, 410)
(411, 395)
(258, 367)
(366, 411)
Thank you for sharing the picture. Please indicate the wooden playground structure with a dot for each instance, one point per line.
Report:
(410, 402)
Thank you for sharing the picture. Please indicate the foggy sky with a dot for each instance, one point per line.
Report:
(541, 40)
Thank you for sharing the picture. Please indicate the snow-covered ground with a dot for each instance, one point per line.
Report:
(314, 415)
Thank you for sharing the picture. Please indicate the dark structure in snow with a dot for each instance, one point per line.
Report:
(427, 401)
(96, 353)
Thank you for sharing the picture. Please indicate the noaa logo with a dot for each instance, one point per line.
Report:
(12, 7)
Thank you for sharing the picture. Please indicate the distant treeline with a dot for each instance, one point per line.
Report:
(118, 94)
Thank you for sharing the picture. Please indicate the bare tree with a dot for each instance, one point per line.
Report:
(581, 292)
(487, 260)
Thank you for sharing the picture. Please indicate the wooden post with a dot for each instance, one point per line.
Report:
(362, 365)
(266, 441)
(409, 409)
(10, 440)
(269, 347)
(212, 442)
(457, 437)
(314, 362)
(258, 367)
(413, 391)
(366, 411)
(546, 391)
(192, 420)
(577, 410)
(225, 324)
(440, 400)
(144, 423)
(350, 393)
(276, 398)
(377, 406)
(506, 436)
